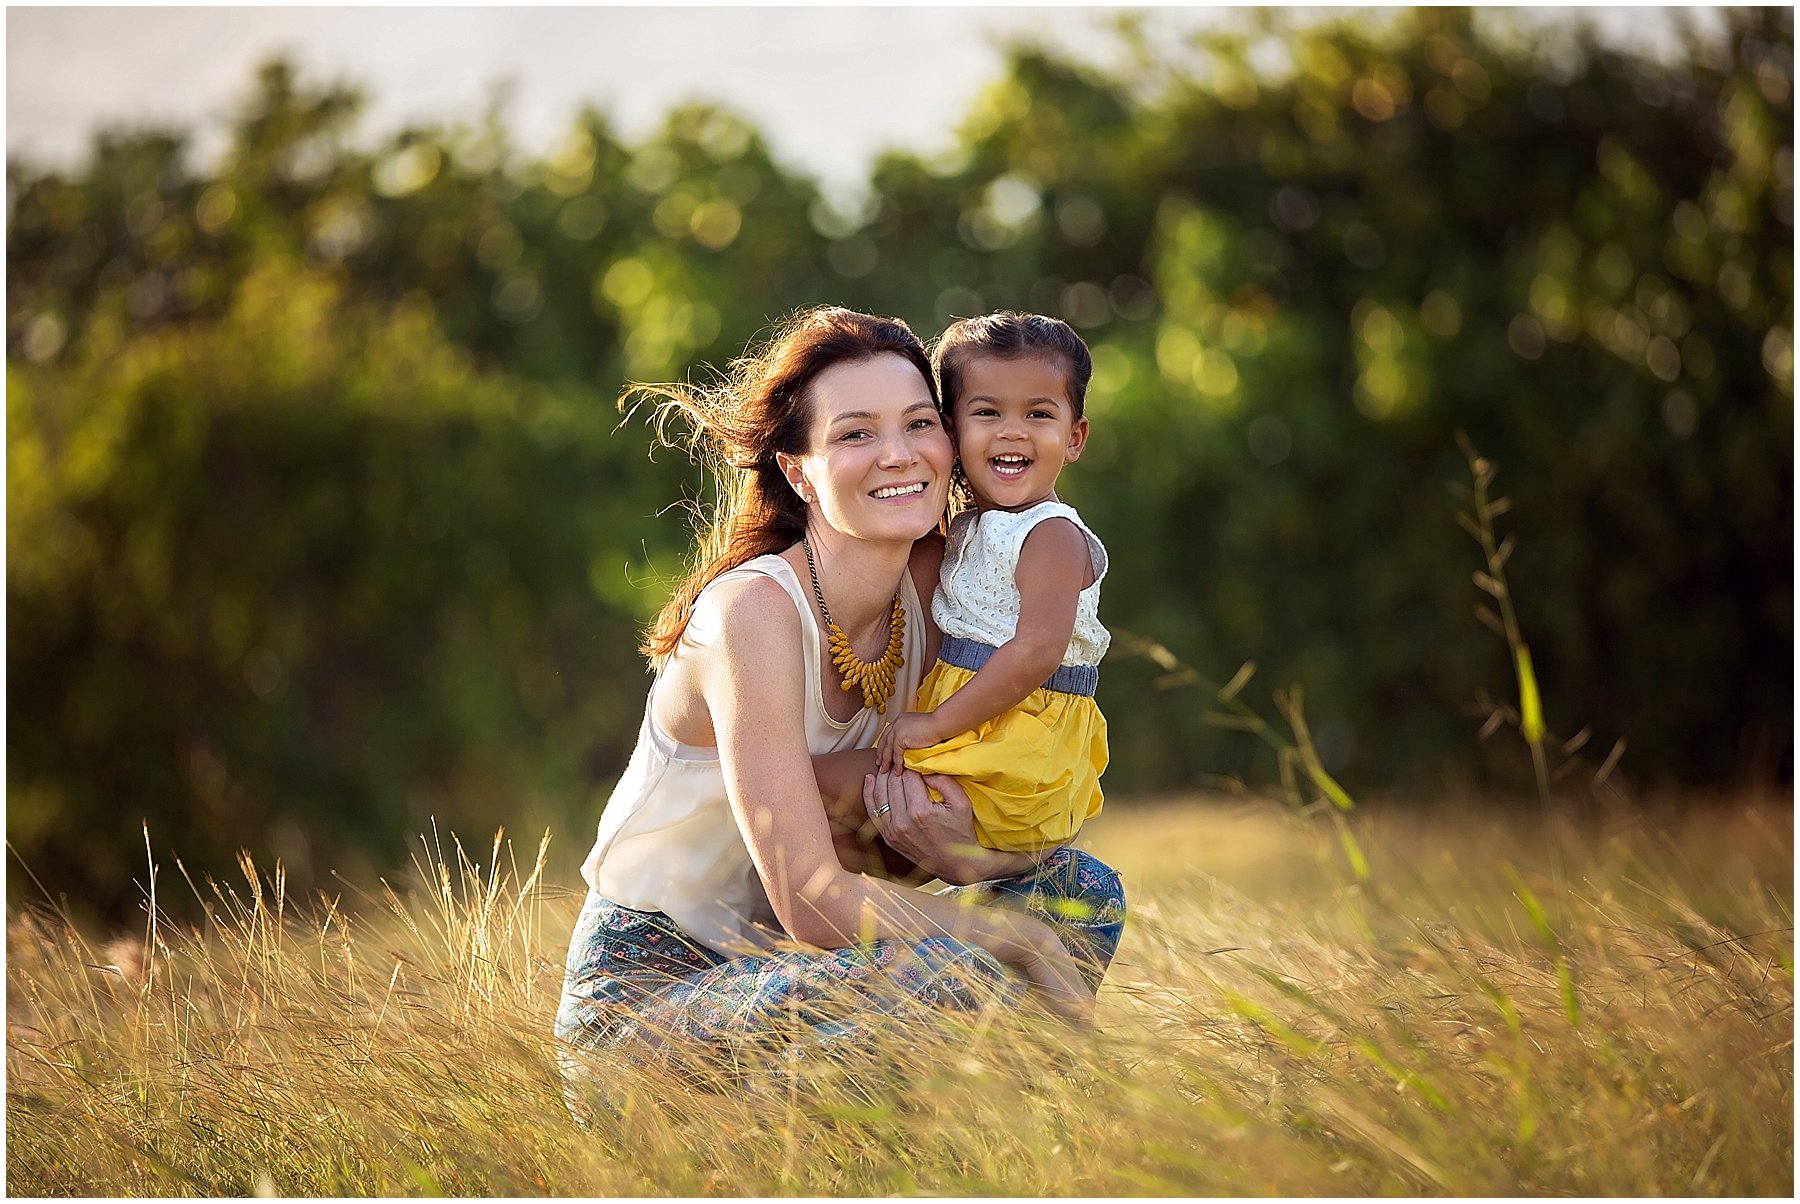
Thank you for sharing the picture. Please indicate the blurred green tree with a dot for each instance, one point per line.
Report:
(319, 526)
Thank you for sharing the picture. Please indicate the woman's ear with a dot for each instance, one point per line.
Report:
(796, 476)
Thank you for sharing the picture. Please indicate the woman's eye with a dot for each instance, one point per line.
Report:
(852, 436)
(921, 424)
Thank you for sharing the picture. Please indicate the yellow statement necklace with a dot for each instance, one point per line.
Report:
(877, 677)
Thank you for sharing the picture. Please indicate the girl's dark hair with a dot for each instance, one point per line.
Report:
(762, 406)
(1011, 336)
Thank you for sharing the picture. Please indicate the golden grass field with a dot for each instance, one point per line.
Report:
(1477, 1017)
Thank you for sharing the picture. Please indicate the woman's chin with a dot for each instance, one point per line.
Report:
(897, 530)
(901, 524)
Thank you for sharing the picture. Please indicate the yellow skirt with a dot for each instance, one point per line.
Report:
(1032, 773)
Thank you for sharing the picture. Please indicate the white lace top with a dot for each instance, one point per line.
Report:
(977, 598)
(668, 840)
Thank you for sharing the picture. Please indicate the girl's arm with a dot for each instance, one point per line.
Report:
(1054, 567)
(752, 679)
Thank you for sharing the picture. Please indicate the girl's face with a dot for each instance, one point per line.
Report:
(1015, 429)
(878, 464)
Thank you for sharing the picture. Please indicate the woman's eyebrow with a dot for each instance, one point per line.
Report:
(867, 416)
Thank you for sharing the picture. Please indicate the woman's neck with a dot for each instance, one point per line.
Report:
(858, 577)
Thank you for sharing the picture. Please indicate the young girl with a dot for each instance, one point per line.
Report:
(1009, 707)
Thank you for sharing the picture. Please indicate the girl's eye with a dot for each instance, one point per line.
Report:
(1042, 414)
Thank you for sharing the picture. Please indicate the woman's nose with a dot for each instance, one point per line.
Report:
(898, 449)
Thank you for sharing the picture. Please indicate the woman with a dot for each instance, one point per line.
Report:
(799, 629)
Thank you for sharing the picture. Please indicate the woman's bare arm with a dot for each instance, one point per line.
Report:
(860, 848)
(753, 681)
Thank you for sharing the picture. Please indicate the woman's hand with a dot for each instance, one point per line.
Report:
(937, 836)
(1059, 985)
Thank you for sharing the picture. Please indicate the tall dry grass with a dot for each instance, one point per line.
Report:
(1463, 1021)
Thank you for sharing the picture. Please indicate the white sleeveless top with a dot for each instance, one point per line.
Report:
(668, 840)
(977, 597)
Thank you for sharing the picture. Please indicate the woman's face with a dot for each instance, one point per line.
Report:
(878, 461)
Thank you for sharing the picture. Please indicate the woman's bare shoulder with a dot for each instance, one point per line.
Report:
(743, 632)
(752, 609)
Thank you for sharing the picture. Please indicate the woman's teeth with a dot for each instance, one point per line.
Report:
(900, 490)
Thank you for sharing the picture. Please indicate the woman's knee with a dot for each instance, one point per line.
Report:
(571, 1026)
(1079, 876)
(952, 973)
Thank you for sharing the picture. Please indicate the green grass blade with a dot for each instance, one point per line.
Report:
(1359, 864)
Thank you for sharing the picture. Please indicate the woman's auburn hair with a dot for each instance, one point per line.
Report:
(762, 406)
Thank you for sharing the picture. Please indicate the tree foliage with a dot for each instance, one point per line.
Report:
(319, 522)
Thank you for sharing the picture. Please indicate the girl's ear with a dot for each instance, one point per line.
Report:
(1077, 440)
(796, 476)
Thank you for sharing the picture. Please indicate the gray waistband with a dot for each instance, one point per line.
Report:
(972, 654)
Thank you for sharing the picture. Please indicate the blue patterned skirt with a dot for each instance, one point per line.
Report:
(634, 979)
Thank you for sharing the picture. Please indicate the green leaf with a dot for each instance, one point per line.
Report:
(1531, 708)
(1540, 919)
(1565, 981)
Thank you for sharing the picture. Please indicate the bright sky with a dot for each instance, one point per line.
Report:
(829, 86)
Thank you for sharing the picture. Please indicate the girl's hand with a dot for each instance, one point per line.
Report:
(914, 729)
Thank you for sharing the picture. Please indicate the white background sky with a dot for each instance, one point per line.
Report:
(829, 86)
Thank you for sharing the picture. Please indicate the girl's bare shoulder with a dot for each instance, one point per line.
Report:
(1057, 543)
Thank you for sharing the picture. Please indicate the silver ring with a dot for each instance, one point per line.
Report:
(882, 810)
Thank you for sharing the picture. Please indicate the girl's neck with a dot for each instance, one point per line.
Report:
(1022, 506)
